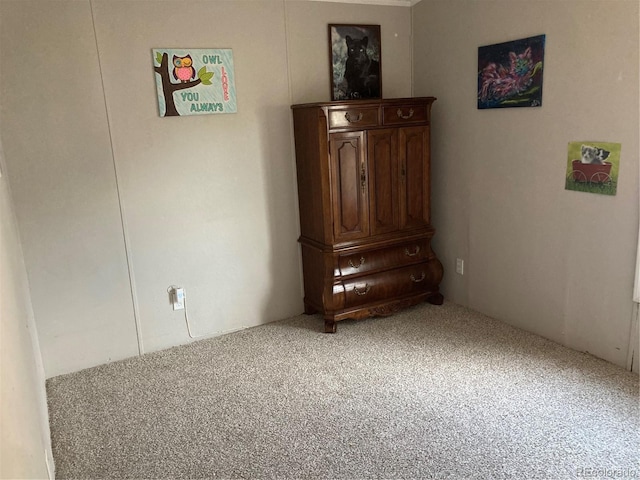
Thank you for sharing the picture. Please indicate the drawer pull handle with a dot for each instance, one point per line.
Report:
(415, 251)
(353, 265)
(362, 292)
(417, 280)
(351, 119)
(405, 117)
(363, 179)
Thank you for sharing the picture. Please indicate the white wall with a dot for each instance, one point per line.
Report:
(555, 262)
(208, 202)
(25, 445)
(59, 163)
(208, 199)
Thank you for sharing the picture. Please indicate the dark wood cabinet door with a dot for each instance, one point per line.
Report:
(414, 176)
(382, 148)
(349, 186)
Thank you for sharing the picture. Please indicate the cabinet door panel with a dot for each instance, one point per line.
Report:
(414, 172)
(349, 186)
(382, 146)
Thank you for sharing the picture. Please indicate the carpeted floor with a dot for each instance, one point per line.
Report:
(432, 392)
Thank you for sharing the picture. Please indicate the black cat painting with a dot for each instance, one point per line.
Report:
(355, 62)
(361, 73)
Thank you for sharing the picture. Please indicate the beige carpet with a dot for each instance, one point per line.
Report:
(432, 392)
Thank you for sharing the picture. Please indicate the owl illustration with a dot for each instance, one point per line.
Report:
(182, 68)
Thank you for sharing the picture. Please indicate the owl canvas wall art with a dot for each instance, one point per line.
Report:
(194, 81)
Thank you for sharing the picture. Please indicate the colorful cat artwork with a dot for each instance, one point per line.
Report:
(500, 83)
(508, 77)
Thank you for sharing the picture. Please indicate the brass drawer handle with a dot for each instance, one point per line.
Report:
(352, 265)
(415, 251)
(417, 280)
(353, 120)
(362, 292)
(405, 117)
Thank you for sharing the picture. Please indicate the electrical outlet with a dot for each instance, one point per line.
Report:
(177, 298)
(460, 266)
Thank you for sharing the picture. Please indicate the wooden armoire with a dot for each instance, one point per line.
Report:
(363, 170)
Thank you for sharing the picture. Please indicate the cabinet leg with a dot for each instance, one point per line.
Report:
(308, 309)
(435, 299)
(330, 326)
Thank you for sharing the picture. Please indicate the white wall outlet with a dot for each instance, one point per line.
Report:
(460, 266)
(177, 298)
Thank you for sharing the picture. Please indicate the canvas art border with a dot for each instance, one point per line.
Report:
(365, 82)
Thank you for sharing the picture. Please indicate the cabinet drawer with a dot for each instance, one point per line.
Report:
(384, 258)
(356, 117)
(404, 114)
(388, 284)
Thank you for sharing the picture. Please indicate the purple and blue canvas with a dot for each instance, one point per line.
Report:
(510, 73)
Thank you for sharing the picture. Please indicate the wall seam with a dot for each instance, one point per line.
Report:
(292, 148)
(411, 40)
(286, 49)
(123, 223)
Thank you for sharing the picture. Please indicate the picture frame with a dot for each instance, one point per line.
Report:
(510, 73)
(355, 60)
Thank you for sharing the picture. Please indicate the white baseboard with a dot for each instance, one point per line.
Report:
(633, 355)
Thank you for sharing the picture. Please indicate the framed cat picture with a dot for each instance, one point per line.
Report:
(510, 73)
(355, 61)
